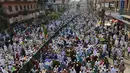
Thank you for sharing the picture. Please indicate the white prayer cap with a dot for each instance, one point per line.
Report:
(111, 65)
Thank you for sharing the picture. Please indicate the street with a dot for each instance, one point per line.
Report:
(74, 43)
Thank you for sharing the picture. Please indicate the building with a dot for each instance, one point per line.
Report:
(19, 10)
(55, 4)
(127, 5)
(120, 4)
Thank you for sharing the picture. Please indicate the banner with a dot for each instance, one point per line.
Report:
(122, 4)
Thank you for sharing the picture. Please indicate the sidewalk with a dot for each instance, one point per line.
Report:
(127, 63)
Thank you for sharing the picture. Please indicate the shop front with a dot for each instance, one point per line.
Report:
(122, 24)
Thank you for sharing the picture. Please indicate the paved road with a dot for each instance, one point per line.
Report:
(126, 59)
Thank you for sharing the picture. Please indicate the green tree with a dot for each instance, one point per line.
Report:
(54, 15)
(3, 19)
(41, 4)
(25, 12)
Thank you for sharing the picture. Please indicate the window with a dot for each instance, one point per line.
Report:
(37, 6)
(127, 3)
(46, 0)
(28, 6)
(54, 0)
(16, 7)
(21, 8)
(10, 8)
(31, 6)
(34, 6)
(24, 7)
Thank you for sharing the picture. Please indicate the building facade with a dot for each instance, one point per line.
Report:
(55, 4)
(19, 10)
(120, 4)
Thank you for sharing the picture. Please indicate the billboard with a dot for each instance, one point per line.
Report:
(122, 4)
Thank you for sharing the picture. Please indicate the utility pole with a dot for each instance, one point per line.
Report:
(104, 3)
(100, 2)
(115, 5)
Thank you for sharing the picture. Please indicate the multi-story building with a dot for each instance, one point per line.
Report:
(19, 10)
(55, 4)
(124, 4)
(127, 5)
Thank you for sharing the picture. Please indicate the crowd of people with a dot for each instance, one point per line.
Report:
(18, 48)
(84, 47)
(81, 47)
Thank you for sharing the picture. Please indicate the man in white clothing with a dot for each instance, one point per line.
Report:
(113, 70)
(72, 70)
(41, 66)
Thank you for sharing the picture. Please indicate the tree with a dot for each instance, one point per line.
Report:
(78, 6)
(3, 19)
(53, 15)
(25, 12)
(41, 4)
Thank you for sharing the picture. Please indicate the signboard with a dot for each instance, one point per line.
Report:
(122, 4)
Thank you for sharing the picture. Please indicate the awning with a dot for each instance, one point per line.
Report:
(126, 16)
(117, 16)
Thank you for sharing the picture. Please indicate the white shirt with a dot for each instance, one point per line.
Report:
(82, 72)
(104, 47)
(2, 61)
(114, 37)
(89, 65)
(83, 68)
(41, 66)
(10, 47)
(96, 40)
(4, 71)
(55, 69)
(97, 63)
(5, 48)
(95, 52)
(10, 68)
(116, 42)
(14, 45)
(113, 70)
(72, 71)
(121, 43)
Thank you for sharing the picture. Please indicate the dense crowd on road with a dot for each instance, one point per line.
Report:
(83, 47)
(18, 48)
